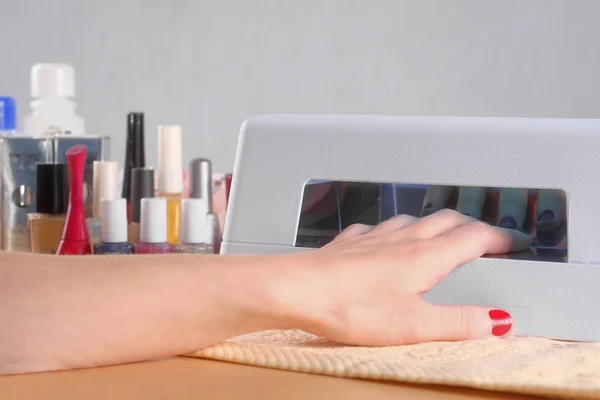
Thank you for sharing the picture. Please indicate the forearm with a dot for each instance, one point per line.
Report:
(69, 312)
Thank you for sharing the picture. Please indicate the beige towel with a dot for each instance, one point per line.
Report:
(522, 365)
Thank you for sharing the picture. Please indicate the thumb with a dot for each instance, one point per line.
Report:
(462, 322)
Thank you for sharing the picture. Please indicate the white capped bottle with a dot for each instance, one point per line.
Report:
(195, 235)
(104, 187)
(153, 227)
(52, 108)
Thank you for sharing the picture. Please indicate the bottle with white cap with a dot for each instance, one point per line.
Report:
(170, 176)
(153, 227)
(105, 187)
(201, 188)
(142, 186)
(53, 110)
(113, 228)
(194, 235)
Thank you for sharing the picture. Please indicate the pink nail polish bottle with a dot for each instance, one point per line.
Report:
(75, 238)
(153, 227)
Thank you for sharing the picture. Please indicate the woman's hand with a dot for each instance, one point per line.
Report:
(365, 287)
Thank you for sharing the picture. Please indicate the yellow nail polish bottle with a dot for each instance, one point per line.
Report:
(170, 176)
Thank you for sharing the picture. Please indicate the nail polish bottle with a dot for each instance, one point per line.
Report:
(194, 234)
(201, 188)
(200, 180)
(142, 186)
(47, 224)
(214, 232)
(75, 237)
(113, 217)
(170, 176)
(153, 227)
(134, 154)
(105, 186)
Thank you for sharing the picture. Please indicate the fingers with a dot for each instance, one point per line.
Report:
(551, 209)
(459, 322)
(478, 238)
(437, 224)
(467, 243)
(471, 201)
(512, 208)
(352, 231)
(393, 224)
(435, 199)
(425, 228)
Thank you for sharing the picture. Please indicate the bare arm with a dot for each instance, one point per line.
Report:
(62, 312)
(68, 312)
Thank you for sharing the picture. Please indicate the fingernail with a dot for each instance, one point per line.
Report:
(501, 322)
(546, 215)
(508, 222)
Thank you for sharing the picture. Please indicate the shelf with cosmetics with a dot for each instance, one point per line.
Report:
(60, 193)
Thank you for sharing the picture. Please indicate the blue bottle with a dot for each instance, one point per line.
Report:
(8, 116)
(113, 228)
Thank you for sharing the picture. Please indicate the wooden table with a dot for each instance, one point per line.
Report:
(186, 378)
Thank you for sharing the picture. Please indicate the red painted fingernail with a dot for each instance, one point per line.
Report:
(501, 322)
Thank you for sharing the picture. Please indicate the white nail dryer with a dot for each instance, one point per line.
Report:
(300, 179)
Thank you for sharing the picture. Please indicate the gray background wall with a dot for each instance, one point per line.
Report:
(207, 65)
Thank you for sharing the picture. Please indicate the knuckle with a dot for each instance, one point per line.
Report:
(414, 248)
(405, 218)
(479, 228)
(355, 227)
(451, 217)
(482, 232)
(350, 232)
(448, 213)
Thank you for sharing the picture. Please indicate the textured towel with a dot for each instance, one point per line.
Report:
(523, 365)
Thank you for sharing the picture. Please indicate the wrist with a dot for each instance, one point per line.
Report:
(277, 292)
(252, 291)
(294, 296)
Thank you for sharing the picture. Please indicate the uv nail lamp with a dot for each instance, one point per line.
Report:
(301, 179)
